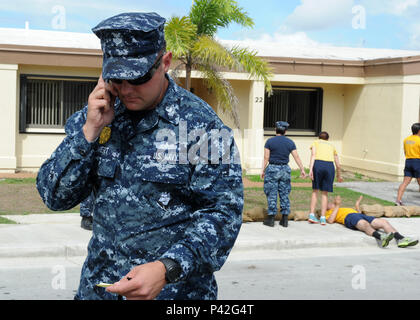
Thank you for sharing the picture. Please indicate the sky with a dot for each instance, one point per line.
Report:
(388, 24)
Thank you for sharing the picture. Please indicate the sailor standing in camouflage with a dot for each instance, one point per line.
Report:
(276, 173)
(165, 217)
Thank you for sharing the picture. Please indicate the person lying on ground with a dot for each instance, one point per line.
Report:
(355, 220)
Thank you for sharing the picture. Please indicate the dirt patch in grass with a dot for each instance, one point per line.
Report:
(22, 198)
(254, 181)
(18, 175)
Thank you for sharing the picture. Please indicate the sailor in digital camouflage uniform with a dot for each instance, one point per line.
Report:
(276, 173)
(165, 216)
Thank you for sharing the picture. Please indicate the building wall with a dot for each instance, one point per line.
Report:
(332, 122)
(377, 117)
(9, 118)
(32, 149)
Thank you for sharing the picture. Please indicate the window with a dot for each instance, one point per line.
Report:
(300, 107)
(47, 102)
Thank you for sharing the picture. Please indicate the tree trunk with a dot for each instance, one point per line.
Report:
(188, 69)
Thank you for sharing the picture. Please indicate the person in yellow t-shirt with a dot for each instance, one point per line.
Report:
(355, 220)
(412, 162)
(322, 172)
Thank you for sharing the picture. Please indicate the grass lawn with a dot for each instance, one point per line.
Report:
(295, 175)
(6, 221)
(18, 181)
(300, 198)
(20, 196)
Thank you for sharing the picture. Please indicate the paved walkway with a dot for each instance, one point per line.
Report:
(386, 191)
(60, 235)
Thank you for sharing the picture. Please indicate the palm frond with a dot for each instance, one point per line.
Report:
(233, 13)
(205, 15)
(191, 40)
(209, 15)
(180, 34)
(254, 65)
(208, 51)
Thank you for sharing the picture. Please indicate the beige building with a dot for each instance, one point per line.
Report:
(366, 99)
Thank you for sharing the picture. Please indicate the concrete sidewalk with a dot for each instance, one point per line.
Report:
(386, 190)
(60, 235)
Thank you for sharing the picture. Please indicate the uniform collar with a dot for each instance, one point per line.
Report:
(168, 108)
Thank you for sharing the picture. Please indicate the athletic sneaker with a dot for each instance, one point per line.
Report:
(313, 218)
(386, 238)
(407, 242)
(323, 221)
(398, 203)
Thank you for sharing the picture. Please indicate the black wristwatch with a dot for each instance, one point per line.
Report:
(173, 270)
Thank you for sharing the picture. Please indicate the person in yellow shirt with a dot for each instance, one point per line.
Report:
(355, 220)
(412, 161)
(322, 172)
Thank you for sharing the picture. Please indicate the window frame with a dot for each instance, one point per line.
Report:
(43, 129)
(271, 131)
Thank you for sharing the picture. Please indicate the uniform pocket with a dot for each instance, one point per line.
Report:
(107, 167)
(169, 173)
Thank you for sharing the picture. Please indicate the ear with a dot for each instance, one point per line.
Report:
(167, 59)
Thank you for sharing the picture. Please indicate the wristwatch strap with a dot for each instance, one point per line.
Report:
(173, 270)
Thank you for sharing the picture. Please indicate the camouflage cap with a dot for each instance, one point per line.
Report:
(130, 43)
(282, 125)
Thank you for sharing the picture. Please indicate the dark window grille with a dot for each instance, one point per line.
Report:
(300, 107)
(48, 103)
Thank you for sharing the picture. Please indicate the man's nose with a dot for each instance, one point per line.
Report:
(126, 87)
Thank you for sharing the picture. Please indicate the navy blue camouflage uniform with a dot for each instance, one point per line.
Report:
(86, 207)
(148, 206)
(277, 180)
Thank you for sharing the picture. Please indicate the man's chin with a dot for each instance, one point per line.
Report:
(133, 106)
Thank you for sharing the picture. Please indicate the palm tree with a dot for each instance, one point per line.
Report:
(192, 42)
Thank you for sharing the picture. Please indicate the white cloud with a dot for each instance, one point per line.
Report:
(320, 14)
(393, 7)
(405, 10)
(402, 6)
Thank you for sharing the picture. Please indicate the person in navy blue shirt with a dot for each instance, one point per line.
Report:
(276, 173)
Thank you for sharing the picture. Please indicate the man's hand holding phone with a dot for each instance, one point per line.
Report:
(100, 109)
